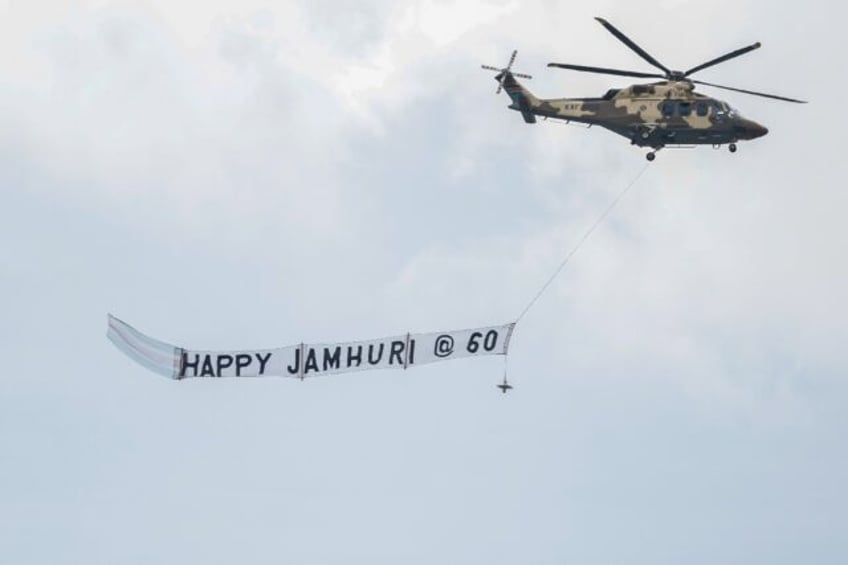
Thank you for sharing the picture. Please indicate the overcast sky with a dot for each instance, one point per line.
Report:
(254, 174)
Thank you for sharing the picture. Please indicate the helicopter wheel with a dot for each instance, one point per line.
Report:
(651, 156)
(732, 147)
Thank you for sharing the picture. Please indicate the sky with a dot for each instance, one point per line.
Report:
(253, 174)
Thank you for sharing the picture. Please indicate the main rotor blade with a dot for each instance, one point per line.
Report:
(605, 71)
(627, 41)
(491, 68)
(722, 59)
(764, 95)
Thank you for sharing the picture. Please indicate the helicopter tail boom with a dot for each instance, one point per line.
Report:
(522, 99)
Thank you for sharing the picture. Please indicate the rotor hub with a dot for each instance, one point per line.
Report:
(505, 71)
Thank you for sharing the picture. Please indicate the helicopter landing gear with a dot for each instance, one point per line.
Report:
(651, 156)
(732, 147)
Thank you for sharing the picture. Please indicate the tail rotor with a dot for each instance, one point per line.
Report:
(505, 71)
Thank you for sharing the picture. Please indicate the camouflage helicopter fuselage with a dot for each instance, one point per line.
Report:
(649, 115)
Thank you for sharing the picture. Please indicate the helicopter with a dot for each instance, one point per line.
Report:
(655, 115)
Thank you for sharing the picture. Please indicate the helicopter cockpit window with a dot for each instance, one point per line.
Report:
(702, 108)
(667, 108)
(684, 108)
(719, 111)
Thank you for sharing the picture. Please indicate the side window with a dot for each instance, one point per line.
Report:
(718, 111)
(667, 108)
(684, 108)
(702, 108)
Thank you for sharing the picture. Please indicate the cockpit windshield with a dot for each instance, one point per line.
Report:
(723, 109)
(733, 112)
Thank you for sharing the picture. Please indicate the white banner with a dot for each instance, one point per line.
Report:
(307, 360)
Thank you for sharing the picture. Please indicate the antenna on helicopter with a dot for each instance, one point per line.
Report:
(507, 70)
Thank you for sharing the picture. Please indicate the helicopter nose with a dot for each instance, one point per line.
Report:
(750, 130)
(756, 130)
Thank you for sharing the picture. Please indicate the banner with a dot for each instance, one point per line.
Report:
(308, 360)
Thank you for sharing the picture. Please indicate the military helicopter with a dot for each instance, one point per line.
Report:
(655, 115)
